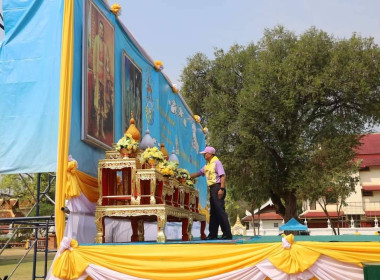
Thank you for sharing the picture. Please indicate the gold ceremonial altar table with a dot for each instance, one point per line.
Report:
(139, 213)
(139, 193)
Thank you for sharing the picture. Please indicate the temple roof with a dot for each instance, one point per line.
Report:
(369, 151)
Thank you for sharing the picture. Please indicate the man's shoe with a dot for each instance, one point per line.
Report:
(210, 237)
(226, 237)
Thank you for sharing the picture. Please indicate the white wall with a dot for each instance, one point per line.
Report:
(357, 204)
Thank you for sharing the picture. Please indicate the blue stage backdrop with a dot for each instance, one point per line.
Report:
(30, 57)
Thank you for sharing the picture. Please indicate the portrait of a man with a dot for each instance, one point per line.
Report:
(99, 85)
(132, 95)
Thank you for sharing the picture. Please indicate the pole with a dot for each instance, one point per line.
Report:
(36, 228)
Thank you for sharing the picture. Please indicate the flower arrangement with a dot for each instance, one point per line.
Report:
(168, 168)
(174, 88)
(116, 8)
(152, 156)
(158, 65)
(191, 182)
(183, 173)
(127, 142)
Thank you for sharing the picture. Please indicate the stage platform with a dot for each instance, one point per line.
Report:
(259, 257)
(257, 239)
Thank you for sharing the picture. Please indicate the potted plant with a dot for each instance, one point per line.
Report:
(191, 182)
(151, 156)
(126, 145)
(168, 168)
(182, 175)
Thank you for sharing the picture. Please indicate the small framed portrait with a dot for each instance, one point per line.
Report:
(132, 92)
(98, 78)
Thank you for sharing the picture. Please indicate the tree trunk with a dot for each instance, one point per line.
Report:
(291, 210)
(280, 209)
(253, 219)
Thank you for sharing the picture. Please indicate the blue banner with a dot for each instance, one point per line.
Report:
(30, 57)
(113, 76)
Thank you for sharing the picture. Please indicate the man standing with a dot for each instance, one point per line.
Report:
(216, 181)
(101, 76)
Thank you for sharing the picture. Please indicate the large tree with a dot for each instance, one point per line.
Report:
(271, 106)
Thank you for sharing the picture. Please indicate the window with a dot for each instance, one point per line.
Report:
(367, 193)
(331, 200)
(275, 225)
(313, 205)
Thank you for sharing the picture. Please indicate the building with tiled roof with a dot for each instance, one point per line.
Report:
(266, 217)
(9, 208)
(363, 206)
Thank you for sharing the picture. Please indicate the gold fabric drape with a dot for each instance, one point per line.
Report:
(89, 186)
(194, 261)
(65, 89)
(78, 182)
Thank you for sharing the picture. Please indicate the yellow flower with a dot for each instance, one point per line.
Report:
(158, 65)
(175, 89)
(116, 8)
(197, 118)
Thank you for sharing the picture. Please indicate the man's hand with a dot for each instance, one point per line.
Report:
(220, 193)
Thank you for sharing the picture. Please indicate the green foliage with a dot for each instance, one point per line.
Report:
(284, 114)
(235, 209)
(24, 188)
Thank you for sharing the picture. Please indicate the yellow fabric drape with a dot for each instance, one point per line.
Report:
(194, 261)
(73, 182)
(89, 186)
(78, 182)
(65, 89)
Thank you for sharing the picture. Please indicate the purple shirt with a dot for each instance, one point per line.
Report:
(219, 170)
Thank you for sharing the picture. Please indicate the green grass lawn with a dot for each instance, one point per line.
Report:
(10, 257)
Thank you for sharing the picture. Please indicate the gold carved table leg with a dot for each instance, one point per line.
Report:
(161, 223)
(152, 184)
(136, 192)
(140, 228)
(99, 222)
(189, 227)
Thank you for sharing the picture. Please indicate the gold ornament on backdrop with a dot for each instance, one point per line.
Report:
(164, 151)
(132, 129)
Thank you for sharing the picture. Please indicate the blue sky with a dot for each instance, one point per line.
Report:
(173, 30)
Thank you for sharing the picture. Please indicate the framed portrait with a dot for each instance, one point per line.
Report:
(132, 92)
(98, 78)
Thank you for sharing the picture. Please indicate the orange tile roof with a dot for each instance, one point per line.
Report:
(369, 151)
(321, 214)
(371, 187)
(264, 216)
